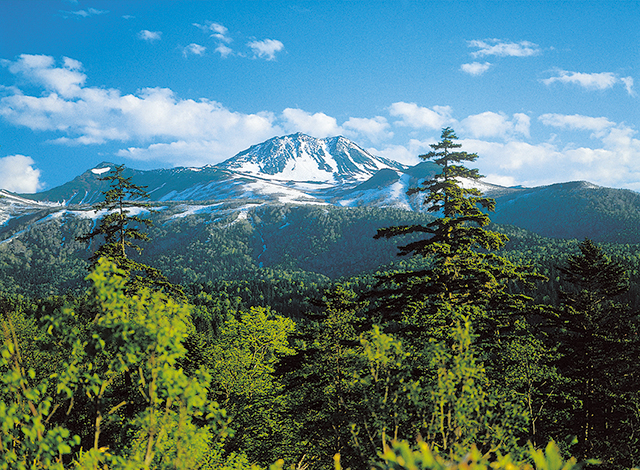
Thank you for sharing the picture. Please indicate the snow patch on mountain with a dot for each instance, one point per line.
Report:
(302, 158)
(185, 210)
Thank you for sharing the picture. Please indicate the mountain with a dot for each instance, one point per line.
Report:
(294, 203)
(575, 209)
(301, 170)
(301, 158)
(293, 168)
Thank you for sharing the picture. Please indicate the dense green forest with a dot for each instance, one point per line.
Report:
(296, 337)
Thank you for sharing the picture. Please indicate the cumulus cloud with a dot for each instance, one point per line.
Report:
(318, 125)
(42, 70)
(173, 129)
(418, 117)
(407, 154)
(17, 174)
(221, 34)
(217, 30)
(224, 50)
(193, 48)
(375, 129)
(497, 47)
(93, 115)
(266, 49)
(475, 68)
(628, 84)
(490, 124)
(154, 124)
(613, 161)
(150, 36)
(576, 122)
(591, 81)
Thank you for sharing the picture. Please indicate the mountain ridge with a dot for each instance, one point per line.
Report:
(337, 172)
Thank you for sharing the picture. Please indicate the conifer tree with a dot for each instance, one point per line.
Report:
(597, 338)
(120, 229)
(462, 268)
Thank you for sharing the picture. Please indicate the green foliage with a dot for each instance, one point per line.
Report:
(245, 352)
(166, 416)
(27, 441)
(120, 229)
(449, 354)
(598, 347)
(242, 360)
(450, 406)
(401, 456)
(461, 268)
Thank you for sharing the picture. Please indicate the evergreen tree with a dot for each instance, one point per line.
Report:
(462, 268)
(597, 338)
(120, 229)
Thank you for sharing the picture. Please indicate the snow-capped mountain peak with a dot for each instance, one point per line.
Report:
(302, 158)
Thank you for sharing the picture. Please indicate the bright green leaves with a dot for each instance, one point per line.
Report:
(402, 457)
(120, 371)
(246, 351)
(26, 440)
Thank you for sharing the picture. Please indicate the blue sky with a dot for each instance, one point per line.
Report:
(543, 91)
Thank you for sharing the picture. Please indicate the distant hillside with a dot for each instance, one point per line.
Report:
(572, 210)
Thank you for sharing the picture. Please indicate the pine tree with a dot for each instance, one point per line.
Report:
(462, 268)
(597, 338)
(119, 227)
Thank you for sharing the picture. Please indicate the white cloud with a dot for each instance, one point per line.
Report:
(628, 84)
(154, 124)
(490, 124)
(591, 81)
(374, 129)
(150, 36)
(475, 68)
(96, 116)
(418, 117)
(613, 162)
(18, 175)
(317, 125)
(218, 31)
(266, 49)
(522, 124)
(497, 47)
(86, 13)
(576, 122)
(224, 50)
(407, 154)
(41, 70)
(193, 48)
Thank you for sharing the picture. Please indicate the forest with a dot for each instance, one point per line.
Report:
(480, 346)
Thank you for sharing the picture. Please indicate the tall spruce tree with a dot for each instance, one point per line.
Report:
(462, 269)
(597, 338)
(120, 230)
